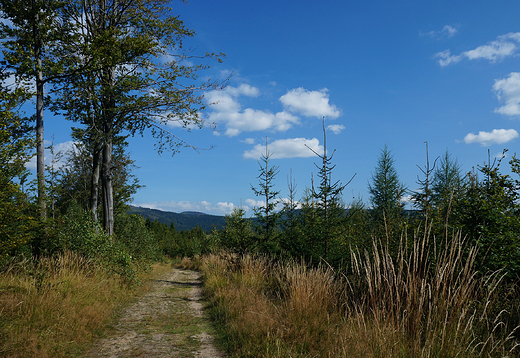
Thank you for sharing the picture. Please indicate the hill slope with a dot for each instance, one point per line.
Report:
(182, 221)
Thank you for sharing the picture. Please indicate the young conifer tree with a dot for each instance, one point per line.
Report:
(266, 215)
(386, 192)
(328, 199)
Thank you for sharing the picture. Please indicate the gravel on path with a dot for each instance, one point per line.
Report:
(168, 321)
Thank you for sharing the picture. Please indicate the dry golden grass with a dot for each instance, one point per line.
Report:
(56, 306)
(383, 307)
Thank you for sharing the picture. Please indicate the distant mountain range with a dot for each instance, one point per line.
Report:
(182, 221)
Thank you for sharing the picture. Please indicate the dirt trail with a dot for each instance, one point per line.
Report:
(166, 322)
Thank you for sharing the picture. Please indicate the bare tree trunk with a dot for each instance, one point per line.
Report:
(94, 182)
(40, 157)
(108, 194)
(108, 133)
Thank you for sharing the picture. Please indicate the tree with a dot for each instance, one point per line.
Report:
(16, 221)
(328, 197)
(267, 218)
(138, 77)
(386, 192)
(447, 188)
(72, 182)
(237, 236)
(422, 199)
(31, 45)
(291, 237)
(489, 215)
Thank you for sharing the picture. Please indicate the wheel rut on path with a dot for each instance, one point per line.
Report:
(168, 321)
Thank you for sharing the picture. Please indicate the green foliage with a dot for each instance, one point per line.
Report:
(291, 235)
(17, 222)
(237, 236)
(36, 30)
(489, 215)
(266, 217)
(328, 203)
(134, 247)
(386, 192)
(71, 184)
(186, 243)
(139, 242)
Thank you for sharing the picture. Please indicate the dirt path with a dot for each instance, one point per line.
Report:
(166, 322)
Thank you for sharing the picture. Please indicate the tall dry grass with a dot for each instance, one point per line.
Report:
(53, 307)
(410, 306)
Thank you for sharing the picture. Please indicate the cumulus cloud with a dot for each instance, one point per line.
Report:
(446, 32)
(249, 141)
(504, 46)
(253, 120)
(496, 136)
(252, 203)
(227, 110)
(336, 128)
(309, 103)
(287, 148)
(508, 91)
(220, 208)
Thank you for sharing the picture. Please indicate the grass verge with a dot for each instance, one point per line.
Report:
(409, 306)
(55, 306)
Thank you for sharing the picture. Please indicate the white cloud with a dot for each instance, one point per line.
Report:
(309, 103)
(508, 91)
(253, 120)
(287, 148)
(252, 203)
(446, 32)
(249, 141)
(446, 58)
(227, 110)
(336, 128)
(220, 208)
(496, 136)
(504, 46)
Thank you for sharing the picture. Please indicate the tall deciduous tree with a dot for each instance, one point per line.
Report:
(139, 77)
(32, 34)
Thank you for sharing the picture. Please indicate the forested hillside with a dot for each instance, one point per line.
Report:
(181, 221)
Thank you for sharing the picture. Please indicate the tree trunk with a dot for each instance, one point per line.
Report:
(40, 157)
(108, 104)
(94, 182)
(108, 194)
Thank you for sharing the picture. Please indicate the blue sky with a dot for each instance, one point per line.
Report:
(381, 72)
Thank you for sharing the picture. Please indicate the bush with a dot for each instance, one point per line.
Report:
(77, 232)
